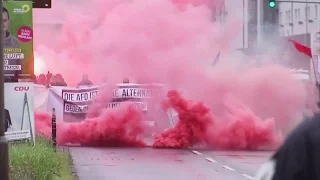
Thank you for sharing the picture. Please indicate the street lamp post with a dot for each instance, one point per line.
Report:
(4, 159)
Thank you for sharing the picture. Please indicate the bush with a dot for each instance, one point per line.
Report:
(38, 162)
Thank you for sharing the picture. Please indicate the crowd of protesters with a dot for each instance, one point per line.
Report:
(50, 79)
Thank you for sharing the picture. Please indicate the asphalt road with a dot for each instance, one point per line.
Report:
(160, 164)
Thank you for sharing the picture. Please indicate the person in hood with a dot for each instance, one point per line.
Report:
(9, 40)
(298, 158)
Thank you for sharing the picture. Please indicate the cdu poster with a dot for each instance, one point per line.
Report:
(19, 114)
(18, 41)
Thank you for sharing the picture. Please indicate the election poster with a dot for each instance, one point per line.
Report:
(18, 42)
(19, 115)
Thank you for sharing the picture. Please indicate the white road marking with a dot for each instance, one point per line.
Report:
(229, 168)
(211, 160)
(247, 176)
(197, 152)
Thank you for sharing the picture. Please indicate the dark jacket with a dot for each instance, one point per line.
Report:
(10, 41)
(299, 156)
(7, 119)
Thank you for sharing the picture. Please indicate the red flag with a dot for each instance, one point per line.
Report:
(301, 48)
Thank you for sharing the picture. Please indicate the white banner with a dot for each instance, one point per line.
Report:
(72, 104)
(19, 111)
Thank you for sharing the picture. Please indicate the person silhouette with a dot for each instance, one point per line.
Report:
(7, 119)
(85, 81)
(125, 80)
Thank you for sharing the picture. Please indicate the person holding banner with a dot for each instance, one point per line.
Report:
(125, 80)
(9, 40)
(85, 81)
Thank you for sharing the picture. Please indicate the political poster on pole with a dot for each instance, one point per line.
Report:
(18, 42)
(19, 116)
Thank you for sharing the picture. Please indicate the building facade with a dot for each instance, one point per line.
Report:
(222, 12)
(299, 18)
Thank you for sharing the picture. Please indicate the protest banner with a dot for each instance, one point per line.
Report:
(135, 92)
(72, 104)
(139, 105)
(19, 115)
(18, 42)
(76, 102)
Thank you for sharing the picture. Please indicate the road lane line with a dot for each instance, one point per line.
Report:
(247, 176)
(229, 168)
(211, 160)
(197, 152)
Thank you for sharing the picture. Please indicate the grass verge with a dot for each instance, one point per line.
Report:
(38, 162)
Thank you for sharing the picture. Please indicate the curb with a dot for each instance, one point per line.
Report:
(66, 150)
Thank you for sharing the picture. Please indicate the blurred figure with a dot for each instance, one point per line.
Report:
(48, 77)
(298, 158)
(85, 81)
(63, 83)
(34, 79)
(7, 119)
(125, 80)
(42, 79)
(53, 81)
(58, 80)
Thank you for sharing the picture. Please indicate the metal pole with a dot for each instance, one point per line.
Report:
(307, 23)
(243, 24)
(54, 129)
(4, 159)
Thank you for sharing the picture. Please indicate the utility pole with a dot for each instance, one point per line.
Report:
(307, 22)
(4, 149)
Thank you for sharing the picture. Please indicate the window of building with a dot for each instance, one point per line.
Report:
(289, 15)
(280, 17)
(316, 11)
(286, 18)
(308, 12)
(296, 14)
